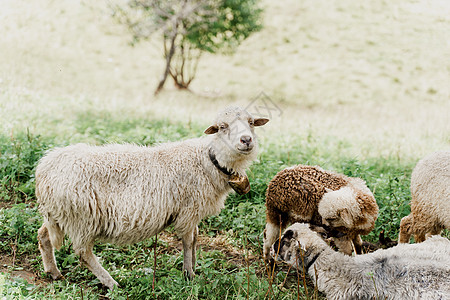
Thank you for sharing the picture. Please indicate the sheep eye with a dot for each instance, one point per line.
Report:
(251, 123)
(223, 126)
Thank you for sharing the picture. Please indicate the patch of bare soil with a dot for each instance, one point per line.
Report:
(21, 269)
(220, 243)
(21, 266)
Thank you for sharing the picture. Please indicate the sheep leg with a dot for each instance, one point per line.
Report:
(271, 234)
(406, 225)
(423, 226)
(419, 237)
(194, 246)
(89, 260)
(189, 241)
(436, 230)
(47, 253)
(357, 242)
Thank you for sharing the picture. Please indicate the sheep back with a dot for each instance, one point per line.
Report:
(294, 193)
(416, 271)
(126, 193)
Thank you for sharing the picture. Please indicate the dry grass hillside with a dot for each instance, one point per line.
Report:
(376, 74)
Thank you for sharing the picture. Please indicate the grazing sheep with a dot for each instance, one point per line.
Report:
(124, 194)
(430, 198)
(406, 271)
(312, 195)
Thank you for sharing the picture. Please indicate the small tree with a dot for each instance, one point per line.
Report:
(190, 27)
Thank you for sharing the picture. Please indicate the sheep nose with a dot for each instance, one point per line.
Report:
(246, 139)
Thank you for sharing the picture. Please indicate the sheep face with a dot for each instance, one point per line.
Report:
(339, 208)
(286, 248)
(295, 244)
(234, 130)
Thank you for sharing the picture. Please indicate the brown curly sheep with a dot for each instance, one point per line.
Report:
(312, 195)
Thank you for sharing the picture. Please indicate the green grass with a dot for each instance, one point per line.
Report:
(19, 155)
(240, 224)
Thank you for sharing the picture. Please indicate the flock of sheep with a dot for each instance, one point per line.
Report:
(123, 194)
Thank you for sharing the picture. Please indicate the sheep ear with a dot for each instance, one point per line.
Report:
(346, 217)
(320, 231)
(260, 121)
(289, 234)
(212, 129)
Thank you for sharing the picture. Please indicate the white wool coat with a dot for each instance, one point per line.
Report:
(125, 193)
(430, 187)
(430, 198)
(406, 271)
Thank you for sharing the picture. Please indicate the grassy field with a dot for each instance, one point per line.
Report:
(359, 88)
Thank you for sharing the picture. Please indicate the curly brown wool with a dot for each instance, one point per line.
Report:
(294, 194)
(287, 191)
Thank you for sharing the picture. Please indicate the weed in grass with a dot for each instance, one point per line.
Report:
(19, 155)
(19, 225)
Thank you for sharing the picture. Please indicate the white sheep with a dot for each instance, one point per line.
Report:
(310, 194)
(406, 271)
(123, 194)
(430, 198)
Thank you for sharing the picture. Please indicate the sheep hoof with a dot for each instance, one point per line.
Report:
(55, 275)
(112, 285)
(189, 275)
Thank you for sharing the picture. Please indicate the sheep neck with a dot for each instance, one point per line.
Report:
(213, 159)
(313, 260)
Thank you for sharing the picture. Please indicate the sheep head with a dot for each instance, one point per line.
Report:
(340, 208)
(297, 243)
(234, 131)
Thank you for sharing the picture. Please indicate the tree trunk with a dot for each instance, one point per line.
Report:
(185, 66)
(168, 62)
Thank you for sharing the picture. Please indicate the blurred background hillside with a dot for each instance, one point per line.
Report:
(375, 74)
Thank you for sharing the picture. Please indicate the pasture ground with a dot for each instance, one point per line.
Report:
(361, 88)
